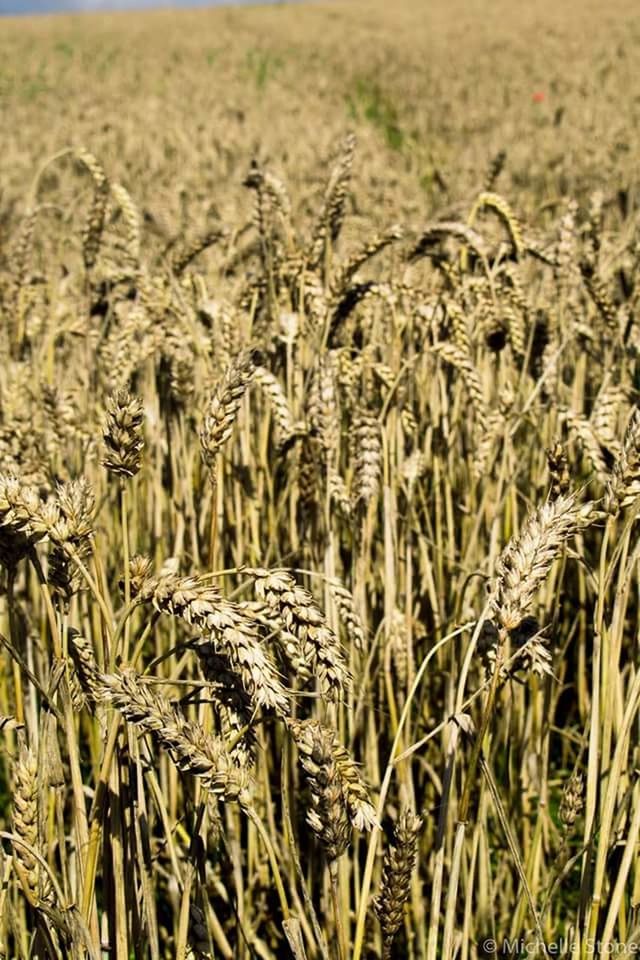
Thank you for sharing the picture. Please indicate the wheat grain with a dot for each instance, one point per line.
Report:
(223, 624)
(395, 887)
(527, 559)
(191, 749)
(123, 434)
(312, 647)
(223, 406)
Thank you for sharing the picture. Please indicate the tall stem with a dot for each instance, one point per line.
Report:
(13, 634)
(124, 507)
(341, 947)
(465, 804)
(273, 860)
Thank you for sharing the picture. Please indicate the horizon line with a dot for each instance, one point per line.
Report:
(45, 8)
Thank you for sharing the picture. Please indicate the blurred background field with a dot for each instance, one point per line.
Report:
(433, 90)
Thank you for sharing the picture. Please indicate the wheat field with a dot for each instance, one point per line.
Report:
(320, 482)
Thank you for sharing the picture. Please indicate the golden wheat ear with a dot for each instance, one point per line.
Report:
(400, 861)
